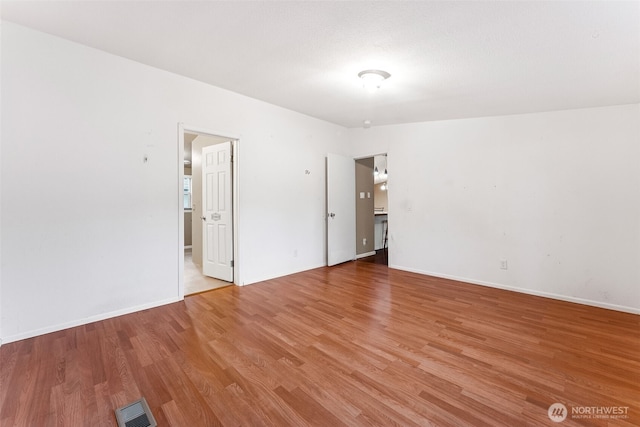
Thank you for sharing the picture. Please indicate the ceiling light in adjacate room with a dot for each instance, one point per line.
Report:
(372, 79)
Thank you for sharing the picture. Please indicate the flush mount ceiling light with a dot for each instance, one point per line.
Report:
(372, 79)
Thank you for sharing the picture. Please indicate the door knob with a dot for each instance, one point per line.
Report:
(332, 215)
(204, 218)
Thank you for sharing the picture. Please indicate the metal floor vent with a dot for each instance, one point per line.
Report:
(136, 414)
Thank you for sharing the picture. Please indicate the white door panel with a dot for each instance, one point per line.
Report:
(217, 233)
(341, 209)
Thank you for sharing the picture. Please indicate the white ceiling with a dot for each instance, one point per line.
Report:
(447, 59)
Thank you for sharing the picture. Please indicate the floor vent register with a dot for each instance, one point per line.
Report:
(136, 414)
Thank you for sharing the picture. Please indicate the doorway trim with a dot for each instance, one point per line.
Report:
(235, 139)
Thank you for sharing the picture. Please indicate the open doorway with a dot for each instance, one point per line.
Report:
(357, 230)
(372, 208)
(207, 241)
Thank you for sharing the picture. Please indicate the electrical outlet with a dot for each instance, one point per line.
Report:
(364, 242)
(503, 264)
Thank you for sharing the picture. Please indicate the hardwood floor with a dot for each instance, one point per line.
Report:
(356, 344)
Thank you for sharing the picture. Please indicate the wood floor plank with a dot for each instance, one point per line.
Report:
(312, 411)
(356, 344)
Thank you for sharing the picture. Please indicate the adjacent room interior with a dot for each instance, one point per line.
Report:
(372, 225)
(480, 264)
(200, 247)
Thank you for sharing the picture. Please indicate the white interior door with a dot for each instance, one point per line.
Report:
(217, 230)
(341, 209)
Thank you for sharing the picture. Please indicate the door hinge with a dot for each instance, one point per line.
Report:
(231, 263)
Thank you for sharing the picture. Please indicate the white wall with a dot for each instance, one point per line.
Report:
(89, 230)
(555, 194)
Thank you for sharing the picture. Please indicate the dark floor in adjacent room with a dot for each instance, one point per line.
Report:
(379, 258)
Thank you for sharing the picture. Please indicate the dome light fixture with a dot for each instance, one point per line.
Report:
(372, 79)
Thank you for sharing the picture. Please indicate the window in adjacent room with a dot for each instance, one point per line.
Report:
(187, 193)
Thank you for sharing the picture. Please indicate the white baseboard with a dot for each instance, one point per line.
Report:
(559, 297)
(86, 320)
(278, 275)
(365, 254)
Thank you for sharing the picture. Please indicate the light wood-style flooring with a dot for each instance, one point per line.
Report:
(194, 281)
(357, 344)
